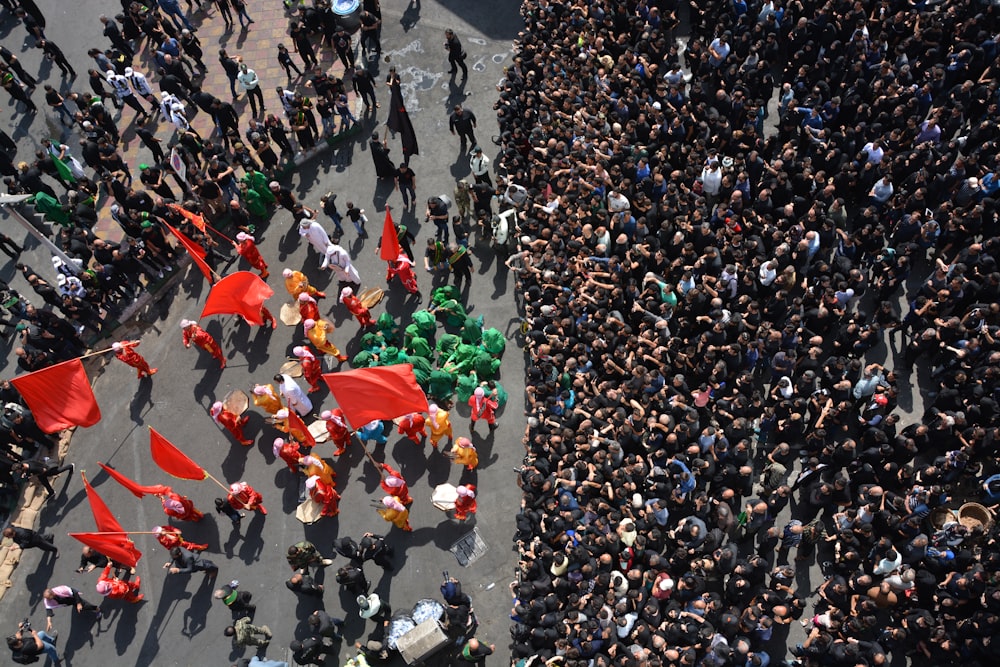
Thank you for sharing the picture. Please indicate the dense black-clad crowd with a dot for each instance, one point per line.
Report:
(708, 293)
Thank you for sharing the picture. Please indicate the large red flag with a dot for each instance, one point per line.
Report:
(105, 520)
(242, 293)
(172, 460)
(118, 548)
(389, 250)
(196, 251)
(138, 490)
(296, 425)
(385, 392)
(59, 396)
(194, 218)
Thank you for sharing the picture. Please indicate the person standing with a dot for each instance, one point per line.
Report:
(251, 84)
(456, 54)
(461, 265)
(286, 62)
(364, 85)
(480, 166)
(475, 651)
(437, 212)
(195, 334)
(123, 91)
(231, 421)
(463, 122)
(300, 37)
(15, 90)
(242, 496)
(27, 538)
(226, 11)
(114, 33)
(295, 398)
(371, 27)
(345, 48)
(140, 86)
(55, 54)
(192, 47)
(65, 596)
(246, 248)
(231, 66)
(125, 351)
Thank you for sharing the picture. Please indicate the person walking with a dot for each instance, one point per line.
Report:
(140, 86)
(461, 265)
(41, 471)
(65, 596)
(123, 91)
(463, 122)
(345, 48)
(241, 9)
(456, 54)
(15, 90)
(191, 46)
(15, 65)
(114, 33)
(286, 62)
(27, 538)
(248, 78)
(300, 38)
(244, 633)
(406, 185)
(172, 8)
(480, 166)
(364, 85)
(195, 334)
(52, 52)
(232, 68)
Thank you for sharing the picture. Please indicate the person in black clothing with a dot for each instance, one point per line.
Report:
(149, 140)
(279, 134)
(91, 560)
(17, 67)
(31, 24)
(232, 68)
(286, 62)
(191, 46)
(344, 47)
(55, 54)
(114, 33)
(237, 601)
(463, 122)
(15, 90)
(364, 85)
(41, 471)
(460, 261)
(406, 183)
(300, 37)
(309, 651)
(303, 582)
(284, 196)
(65, 596)
(456, 54)
(374, 548)
(183, 561)
(327, 626)
(384, 168)
(352, 578)
(29, 539)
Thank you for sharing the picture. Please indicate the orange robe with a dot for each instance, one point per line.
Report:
(135, 360)
(195, 334)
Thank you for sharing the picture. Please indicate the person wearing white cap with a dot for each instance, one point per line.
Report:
(117, 589)
(312, 231)
(440, 423)
(484, 407)
(358, 309)
(312, 369)
(246, 247)
(465, 504)
(125, 351)
(295, 398)
(195, 334)
(231, 421)
(140, 86)
(124, 93)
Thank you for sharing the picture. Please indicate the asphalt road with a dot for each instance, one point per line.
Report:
(179, 623)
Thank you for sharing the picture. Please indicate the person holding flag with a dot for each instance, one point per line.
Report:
(265, 397)
(231, 421)
(195, 334)
(308, 309)
(402, 266)
(312, 369)
(394, 484)
(118, 589)
(440, 425)
(413, 426)
(125, 351)
(246, 247)
(296, 283)
(170, 537)
(242, 496)
(484, 407)
(465, 504)
(290, 452)
(336, 427)
(290, 423)
(316, 331)
(395, 513)
(465, 454)
(358, 309)
(179, 507)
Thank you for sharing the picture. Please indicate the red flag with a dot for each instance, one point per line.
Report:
(389, 250)
(194, 218)
(385, 392)
(241, 293)
(118, 548)
(105, 520)
(295, 424)
(196, 251)
(138, 490)
(59, 396)
(172, 460)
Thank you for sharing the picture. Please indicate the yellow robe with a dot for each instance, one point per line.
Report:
(268, 403)
(467, 456)
(440, 424)
(399, 518)
(297, 283)
(317, 336)
(323, 471)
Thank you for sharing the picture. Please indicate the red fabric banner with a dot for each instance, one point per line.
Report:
(105, 520)
(384, 392)
(241, 293)
(194, 218)
(138, 490)
(59, 396)
(172, 460)
(295, 424)
(118, 548)
(390, 249)
(196, 251)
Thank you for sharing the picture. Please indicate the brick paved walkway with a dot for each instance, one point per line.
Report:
(257, 46)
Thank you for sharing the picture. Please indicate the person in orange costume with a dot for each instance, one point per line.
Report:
(413, 426)
(308, 309)
(247, 249)
(264, 396)
(242, 496)
(312, 369)
(484, 407)
(324, 494)
(403, 267)
(296, 283)
(395, 513)
(465, 504)
(440, 425)
(336, 426)
(465, 454)
(231, 421)
(116, 589)
(170, 537)
(281, 422)
(125, 351)
(195, 334)
(290, 452)
(394, 484)
(314, 466)
(317, 331)
(179, 507)
(358, 309)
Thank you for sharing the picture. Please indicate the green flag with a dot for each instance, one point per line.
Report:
(64, 172)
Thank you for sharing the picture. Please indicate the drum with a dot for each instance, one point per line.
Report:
(236, 402)
(291, 368)
(348, 14)
(371, 296)
(290, 315)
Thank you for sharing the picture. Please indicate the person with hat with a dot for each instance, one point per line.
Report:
(170, 537)
(242, 496)
(356, 307)
(440, 422)
(338, 260)
(201, 338)
(246, 247)
(480, 166)
(123, 91)
(15, 90)
(125, 351)
(295, 398)
(413, 426)
(118, 589)
(236, 600)
(317, 332)
(336, 427)
(265, 397)
(394, 484)
(484, 407)
(140, 86)
(464, 453)
(231, 421)
(179, 507)
(308, 309)
(312, 369)
(289, 451)
(324, 494)
(465, 504)
(296, 283)
(403, 267)
(395, 512)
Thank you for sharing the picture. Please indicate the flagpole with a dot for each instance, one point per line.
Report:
(224, 487)
(94, 354)
(124, 532)
(372, 459)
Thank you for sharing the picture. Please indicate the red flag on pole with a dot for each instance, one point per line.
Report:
(194, 218)
(138, 490)
(298, 429)
(196, 251)
(172, 460)
(385, 392)
(59, 396)
(118, 548)
(241, 293)
(105, 520)
(390, 249)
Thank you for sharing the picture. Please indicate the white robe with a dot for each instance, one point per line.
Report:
(339, 261)
(297, 399)
(316, 236)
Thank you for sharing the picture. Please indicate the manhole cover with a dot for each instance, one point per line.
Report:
(469, 549)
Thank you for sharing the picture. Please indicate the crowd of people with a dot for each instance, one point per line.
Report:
(708, 291)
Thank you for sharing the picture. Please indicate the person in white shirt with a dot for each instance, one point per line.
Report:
(617, 202)
(140, 86)
(875, 151)
(313, 232)
(767, 273)
(337, 259)
(123, 91)
(248, 79)
(480, 165)
(711, 179)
